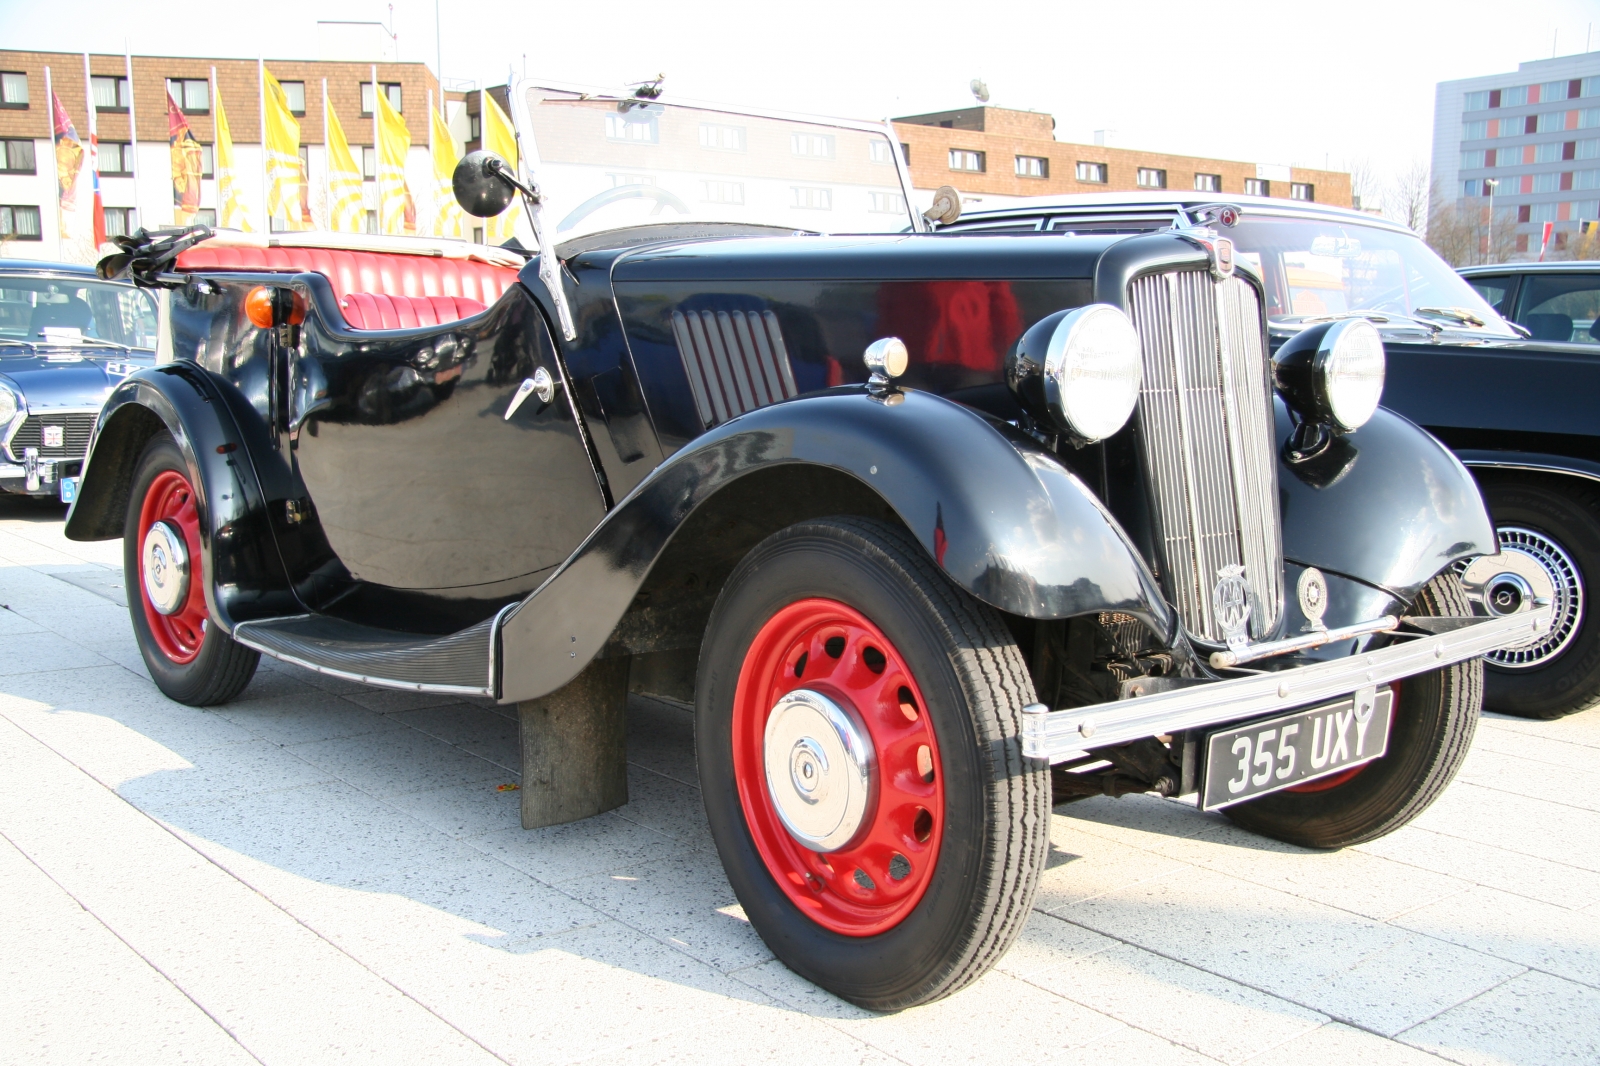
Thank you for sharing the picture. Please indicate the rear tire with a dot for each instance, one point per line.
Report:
(1561, 530)
(191, 660)
(839, 588)
(1429, 736)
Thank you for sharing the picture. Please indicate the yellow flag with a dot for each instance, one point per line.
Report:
(396, 211)
(447, 218)
(499, 138)
(346, 213)
(282, 144)
(231, 212)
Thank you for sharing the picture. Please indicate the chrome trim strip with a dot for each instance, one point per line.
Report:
(1059, 735)
(377, 682)
(1543, 468)
(494, 649)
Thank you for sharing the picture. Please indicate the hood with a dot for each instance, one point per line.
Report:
(57, 378)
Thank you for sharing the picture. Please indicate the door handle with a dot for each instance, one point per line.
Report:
(541, 385)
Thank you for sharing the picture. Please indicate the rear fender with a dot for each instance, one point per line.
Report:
(997, 513)
(243, 574)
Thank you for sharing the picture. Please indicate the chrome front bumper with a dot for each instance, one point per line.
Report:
(1061, 735)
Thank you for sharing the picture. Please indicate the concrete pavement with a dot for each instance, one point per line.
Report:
(322, 872)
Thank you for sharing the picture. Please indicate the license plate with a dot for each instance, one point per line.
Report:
(69, 489)
(1252, 760)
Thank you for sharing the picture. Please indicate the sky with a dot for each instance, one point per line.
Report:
(1313, 84)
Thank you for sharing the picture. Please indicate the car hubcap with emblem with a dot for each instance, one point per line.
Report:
(169, 537)
(837, 767)
(1506, 593)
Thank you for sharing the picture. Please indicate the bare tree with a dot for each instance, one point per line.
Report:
(1407, 199)
(1460, 231)
(1365, 184)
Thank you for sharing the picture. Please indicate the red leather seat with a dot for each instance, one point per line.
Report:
(375, 290)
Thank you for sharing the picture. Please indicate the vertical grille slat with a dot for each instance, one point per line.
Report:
(736, 361)
(1206, 432)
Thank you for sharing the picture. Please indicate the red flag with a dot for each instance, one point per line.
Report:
(69, 154)
(99, 205)
(1544, 241)
(185, 166)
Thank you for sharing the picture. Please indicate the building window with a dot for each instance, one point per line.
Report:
(121, 221)
(13, 89)
(722, 192)
(206, 216)
(1478, 101)
(1257, 187)
(814, 145)
(295, 93)
(808, 198)
(1523, 213)
(1150, 178)
(369, 162)
(1548, 153)
(1552, 90)
(372, 222)
(391, 90)
(722, 138)
(1475, 131)
(477, 234)
(961, 159)
(887, 203)
(878, 151)
(192, 95)
(20, 223)
(1510, 97)
(905, 152)
(1469, 188)
(208, 160)
(1300, 190)
(475, 127)
(1032, 166)
(1092, 172)
(16, 157)
(1208, 183)
(637, 127)
(110, 92)
(116, 159)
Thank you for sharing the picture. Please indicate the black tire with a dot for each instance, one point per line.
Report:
(223, 666)
(1560, 520)
(1431, 733)
(996, 803)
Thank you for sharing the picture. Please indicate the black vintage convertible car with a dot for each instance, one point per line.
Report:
(930, 531)
(1515, 403)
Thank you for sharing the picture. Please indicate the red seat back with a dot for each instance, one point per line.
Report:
(468, 286)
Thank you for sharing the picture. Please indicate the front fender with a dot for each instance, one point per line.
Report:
(998, 514)
(1388, 505)
(243, 575)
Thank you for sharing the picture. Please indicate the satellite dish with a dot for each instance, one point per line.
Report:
(980, 90)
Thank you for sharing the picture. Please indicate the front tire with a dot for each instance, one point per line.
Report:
(1434, 719)
(939, 878)
(189, 659)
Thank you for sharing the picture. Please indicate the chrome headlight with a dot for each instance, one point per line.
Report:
(10, 404)
(1333, 374)
(1081, 369)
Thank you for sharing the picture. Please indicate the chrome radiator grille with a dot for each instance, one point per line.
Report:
(1205, 414)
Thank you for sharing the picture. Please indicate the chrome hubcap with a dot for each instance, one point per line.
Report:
(165, 562)
(1507, 591)
(819, 765)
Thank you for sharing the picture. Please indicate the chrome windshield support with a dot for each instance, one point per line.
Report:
(1060, 735)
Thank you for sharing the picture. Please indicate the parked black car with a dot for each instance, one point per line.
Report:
(66, 337)
(1555, 302)
(1519, 411)
(892, 510)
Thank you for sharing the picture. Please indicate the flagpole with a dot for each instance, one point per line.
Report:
(483, 145)
(97, 202)
(327, 162)
(133, 136)
(431, 164)
(266, 201)
(377, 148)
(55, 169)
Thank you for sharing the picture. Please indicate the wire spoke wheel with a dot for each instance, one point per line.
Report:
(876, 876)
(1568, 603)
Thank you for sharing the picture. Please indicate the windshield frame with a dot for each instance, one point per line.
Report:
(527, 143)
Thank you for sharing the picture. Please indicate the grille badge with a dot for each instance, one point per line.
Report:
(1230, 600)
(54, 437)
(1312, 589)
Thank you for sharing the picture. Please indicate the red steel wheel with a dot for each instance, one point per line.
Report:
(179, 633)
(881, 806)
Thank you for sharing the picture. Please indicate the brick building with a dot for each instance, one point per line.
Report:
(135, 178)
(997, 152)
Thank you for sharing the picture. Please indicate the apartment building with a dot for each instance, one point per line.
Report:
(997, 152)
(1524, 146)
(130, 95)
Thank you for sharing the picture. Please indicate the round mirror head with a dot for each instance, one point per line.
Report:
(479, 189)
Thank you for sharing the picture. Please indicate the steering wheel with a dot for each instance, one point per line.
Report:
(662, 197)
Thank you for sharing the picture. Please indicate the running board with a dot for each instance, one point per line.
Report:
(460, 663)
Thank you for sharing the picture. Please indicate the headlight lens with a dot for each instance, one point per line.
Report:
(1350, 368)
(10, 403)
(1092, 371)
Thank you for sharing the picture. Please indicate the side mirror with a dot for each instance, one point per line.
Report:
(480, 186)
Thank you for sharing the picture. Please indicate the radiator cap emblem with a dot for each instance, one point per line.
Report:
(1230, 600)
(1312, 589)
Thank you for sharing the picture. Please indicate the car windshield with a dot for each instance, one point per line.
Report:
(38, 310)
(608, 163)
(1318, 267)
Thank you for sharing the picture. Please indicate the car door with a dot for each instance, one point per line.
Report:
(419, 478)
(1561, 307)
